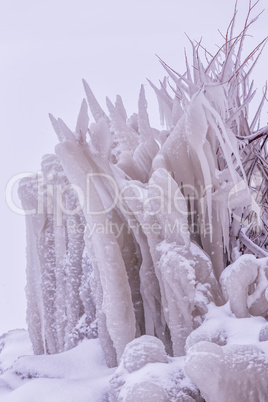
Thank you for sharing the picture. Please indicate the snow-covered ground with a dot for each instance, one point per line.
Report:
(79, 374)
(145, 372)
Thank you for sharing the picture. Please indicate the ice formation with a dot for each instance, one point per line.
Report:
(147, 373)
(228, 373)
(134, 233)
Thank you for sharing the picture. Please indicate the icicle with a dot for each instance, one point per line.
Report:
(95, 108)
(124, 137)
(144, 124)
(56, 127)
(120, 107)
(65, 131)
(101, 138)
(165, 104)
(82, 121)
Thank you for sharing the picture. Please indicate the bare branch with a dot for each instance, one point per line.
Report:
(254, 248)
(258, 134)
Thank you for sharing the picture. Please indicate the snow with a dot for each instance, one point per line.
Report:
(147, 373)
(80, 374)
(221, 347)
(228, 373)
(175, 295)
(227, 358)
(12, 345)
(235, 281)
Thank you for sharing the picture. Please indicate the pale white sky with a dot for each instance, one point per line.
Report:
(47, 47)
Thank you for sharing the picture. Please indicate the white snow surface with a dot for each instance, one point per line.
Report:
(81, 374)
(145, 373)
(78, 375)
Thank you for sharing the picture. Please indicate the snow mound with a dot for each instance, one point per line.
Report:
(236, 280)
(227, 358)
(12, 345)
(146, 373)
(141, 351)
(228, 373)
(80, 374)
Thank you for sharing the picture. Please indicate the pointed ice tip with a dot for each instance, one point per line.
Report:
(51, 117)
(84, 104)
(110, 105)
(85, 84)
(108, 101)
(151, 84)
(160, 60)
(56, 127)
(93, 104)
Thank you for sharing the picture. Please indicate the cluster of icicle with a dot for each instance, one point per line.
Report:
(134, 226)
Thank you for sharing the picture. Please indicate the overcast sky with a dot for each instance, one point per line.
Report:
(47, 47)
